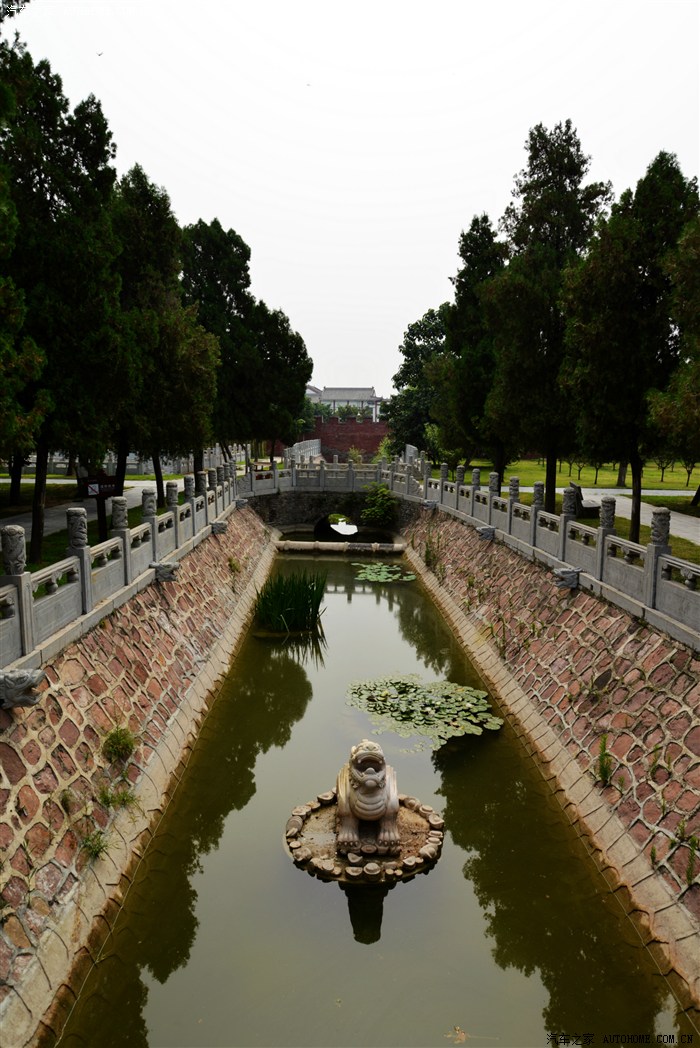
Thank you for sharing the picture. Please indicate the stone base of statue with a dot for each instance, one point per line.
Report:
(312, 840)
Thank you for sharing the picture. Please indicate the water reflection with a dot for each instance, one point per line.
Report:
(540, 893)
(366, 909)
(227, 945)
(252, 714)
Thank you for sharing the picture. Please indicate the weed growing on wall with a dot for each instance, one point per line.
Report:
(604, 762)
(119, 744)
(95, 844)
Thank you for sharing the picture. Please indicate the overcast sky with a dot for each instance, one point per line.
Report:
(349, 144)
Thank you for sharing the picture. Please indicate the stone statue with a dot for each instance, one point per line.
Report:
(367, 793)
(17, 687)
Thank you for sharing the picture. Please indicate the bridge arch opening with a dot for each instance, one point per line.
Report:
(334, 527)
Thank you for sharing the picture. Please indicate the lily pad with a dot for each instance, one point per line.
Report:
(435, 710)
(380, 571)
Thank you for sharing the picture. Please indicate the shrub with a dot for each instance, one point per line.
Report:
(380, 507)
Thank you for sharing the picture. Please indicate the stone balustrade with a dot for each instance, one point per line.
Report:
(37, 608)
(42, 611)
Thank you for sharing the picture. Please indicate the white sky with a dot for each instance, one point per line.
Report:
(349, 144)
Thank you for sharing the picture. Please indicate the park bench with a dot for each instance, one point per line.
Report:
(586, 508)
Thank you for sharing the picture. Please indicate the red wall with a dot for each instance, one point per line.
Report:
(338, 436)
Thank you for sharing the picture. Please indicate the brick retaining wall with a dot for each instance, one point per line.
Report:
(569, 669)
(151, 666)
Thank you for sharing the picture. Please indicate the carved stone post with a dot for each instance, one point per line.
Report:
(76, 519)
(568, 512)
(14, 559)
(322, 476)
(121, 530)
(494, 490)
(171, 495)
(537, 505)
(607, 527)
(149, 504)
(660, 534)
(172, 506)
(459, 483)
(513, 497)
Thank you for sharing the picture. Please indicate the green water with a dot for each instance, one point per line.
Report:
(222, 941)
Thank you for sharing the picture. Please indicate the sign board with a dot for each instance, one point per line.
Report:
(100, 487)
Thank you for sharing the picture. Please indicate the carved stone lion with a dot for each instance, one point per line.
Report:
(367, 793)
(17, 687)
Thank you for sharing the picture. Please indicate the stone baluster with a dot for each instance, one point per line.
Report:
(148, 516)
(606, 527)
(459, 484)
(14, 560)
(568, 512)
(659, 545)
(494, 490)
(537, 505)
(76, 520)
(171, 495)
(120, 529)
(513, 498)
(172, 506)
(444, 477)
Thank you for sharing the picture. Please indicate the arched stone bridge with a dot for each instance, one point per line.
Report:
(310, 508)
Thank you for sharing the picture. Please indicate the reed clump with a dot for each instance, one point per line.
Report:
(291, 603)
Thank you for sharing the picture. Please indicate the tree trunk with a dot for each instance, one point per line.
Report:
(621, 476)
(550, 485)
(16, 467)
(122, 455)
(636, 466)
(198, 457)
(695, 501)
(160, 486)
(39, 500)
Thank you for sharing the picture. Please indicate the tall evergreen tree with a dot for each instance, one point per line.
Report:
(622, 341)
(409, 410)
(462, 373)
(216, 277)
(548, 225)
(60, 172)
(170, 365)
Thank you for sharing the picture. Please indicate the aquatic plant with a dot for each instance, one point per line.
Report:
(291, 603)
(380, 571)
(437, 710)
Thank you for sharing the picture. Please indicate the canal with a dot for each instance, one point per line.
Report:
(511, 939)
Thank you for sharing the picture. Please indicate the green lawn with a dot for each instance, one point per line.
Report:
(530, 470)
